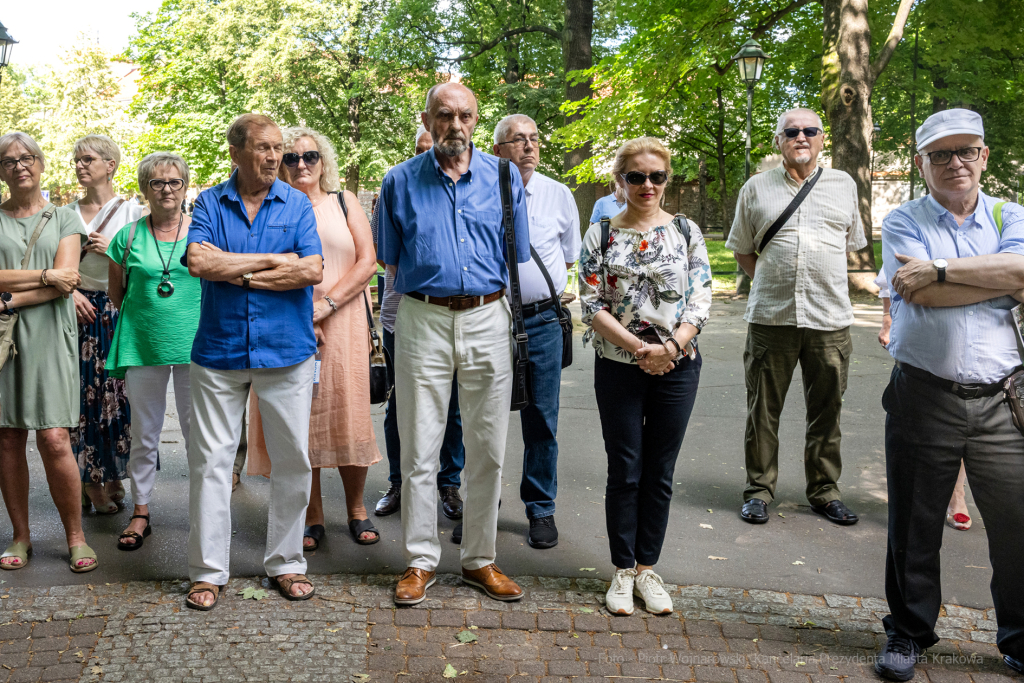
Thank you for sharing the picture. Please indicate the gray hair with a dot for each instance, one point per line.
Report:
(505, 125)
(780, 125)
(26, 141)
(329, 176)
(100, 144)
(148, 166)
(419, 133)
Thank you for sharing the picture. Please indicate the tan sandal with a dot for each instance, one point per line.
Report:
(21, 550)
(284, 586)
(198, 587)
(83, 552)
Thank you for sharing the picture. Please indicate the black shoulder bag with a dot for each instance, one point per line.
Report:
(381, 385)
(522, 392)
(790, 210)
(564, 314)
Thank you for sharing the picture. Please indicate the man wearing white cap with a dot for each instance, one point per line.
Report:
(956, 262)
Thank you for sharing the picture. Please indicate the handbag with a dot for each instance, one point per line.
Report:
(8, 320)
(564, 314)
(522, 390)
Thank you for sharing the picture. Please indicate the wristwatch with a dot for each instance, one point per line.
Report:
(5, 299)
(940, 266)
(246, 280)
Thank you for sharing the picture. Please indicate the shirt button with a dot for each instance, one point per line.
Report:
(460, 210)
(462, 240)
(465, 268)
(970, 312)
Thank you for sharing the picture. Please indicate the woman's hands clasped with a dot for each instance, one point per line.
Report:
(655, 359)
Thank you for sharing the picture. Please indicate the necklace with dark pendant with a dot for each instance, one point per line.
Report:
(165, 288)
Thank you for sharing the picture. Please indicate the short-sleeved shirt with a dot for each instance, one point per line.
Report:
(967, 344)
(152, 329)
(554, 235)
(447, 237)
(606, 206)
(254, 328)
(801, 276)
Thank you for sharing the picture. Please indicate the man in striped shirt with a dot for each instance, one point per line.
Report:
(798, 311)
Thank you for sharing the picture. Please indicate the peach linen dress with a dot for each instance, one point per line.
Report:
(340, 429)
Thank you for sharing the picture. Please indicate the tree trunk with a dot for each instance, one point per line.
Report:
(939, 103)
(702, 193)
(576, 47)
(511, 73)
(847, 81)
(354, 135)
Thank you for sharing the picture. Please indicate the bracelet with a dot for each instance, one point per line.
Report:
(679, 349)
(330, 302)
(42, 277)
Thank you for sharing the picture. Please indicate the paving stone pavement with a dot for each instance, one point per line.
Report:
(559, 632)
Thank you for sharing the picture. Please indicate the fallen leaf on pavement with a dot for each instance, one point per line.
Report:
(466, 637)
(706, 526)
(588, 569)
(714, 557)
(798, 562)
(251, 593)
(450, 671)
(710, 510)
(586, 610)
(782, 515)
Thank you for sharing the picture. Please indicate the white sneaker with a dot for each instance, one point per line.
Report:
(619, 598)
(651, 590)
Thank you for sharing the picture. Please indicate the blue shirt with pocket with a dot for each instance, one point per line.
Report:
(447, 237)
(242, 328)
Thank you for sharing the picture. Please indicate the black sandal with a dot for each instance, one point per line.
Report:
(361, 526)
(316, 532)
(121, 545)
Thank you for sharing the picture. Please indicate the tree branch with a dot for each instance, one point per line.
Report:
(768, 23)
(895, 36)
(484, 47)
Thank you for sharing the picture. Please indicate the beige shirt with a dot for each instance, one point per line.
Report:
(801, 276)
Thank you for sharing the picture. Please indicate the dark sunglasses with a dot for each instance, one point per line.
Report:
(638, 178)
(292, 158)
(808, 132)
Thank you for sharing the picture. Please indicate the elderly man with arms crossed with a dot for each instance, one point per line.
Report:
(441, 228)
(555, 238)
(254, 244)
(953, 274)
(799, 311)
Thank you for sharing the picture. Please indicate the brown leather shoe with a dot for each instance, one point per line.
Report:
(412, 587)
(494, 582)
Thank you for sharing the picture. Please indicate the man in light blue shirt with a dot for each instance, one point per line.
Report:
(609, 205)
(955, 259)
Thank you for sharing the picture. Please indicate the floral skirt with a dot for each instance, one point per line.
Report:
(102, 441)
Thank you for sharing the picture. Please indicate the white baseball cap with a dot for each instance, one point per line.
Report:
(949, 122)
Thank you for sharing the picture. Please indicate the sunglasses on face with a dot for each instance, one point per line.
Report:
(638, 178)
(291, 159)
(808, 132)
(944, 156)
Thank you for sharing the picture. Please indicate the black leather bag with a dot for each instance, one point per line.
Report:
(564, 314)
(522, 385)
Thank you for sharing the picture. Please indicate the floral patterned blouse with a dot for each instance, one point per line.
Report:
(646, 280)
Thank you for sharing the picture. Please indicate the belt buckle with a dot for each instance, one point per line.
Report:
(459, 303)
(967, 392)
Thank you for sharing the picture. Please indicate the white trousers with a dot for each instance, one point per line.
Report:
(218, 402)
(147, 394)
(431, 344)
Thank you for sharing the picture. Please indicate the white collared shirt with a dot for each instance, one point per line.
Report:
(554, 234)
(93, 267)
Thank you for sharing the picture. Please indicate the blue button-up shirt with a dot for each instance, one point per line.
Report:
(966, 344)
(447, 237)
(254, 328)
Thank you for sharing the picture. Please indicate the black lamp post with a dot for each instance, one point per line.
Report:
(750, 60)
(6, 46)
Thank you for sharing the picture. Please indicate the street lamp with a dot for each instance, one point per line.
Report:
(6, 46)
(750, 61)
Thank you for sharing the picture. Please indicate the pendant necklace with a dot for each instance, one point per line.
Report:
(165, 288)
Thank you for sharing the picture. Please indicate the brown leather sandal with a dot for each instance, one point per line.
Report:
(284, 586)
(203, 587)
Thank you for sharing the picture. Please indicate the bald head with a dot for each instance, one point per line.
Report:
(451, 117)
(446, 91)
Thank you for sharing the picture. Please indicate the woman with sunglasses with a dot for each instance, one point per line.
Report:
(646, 294)
(39, 385)
(159, 312)
(340, 431)
(101, 440)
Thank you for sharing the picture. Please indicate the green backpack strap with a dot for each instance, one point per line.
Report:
(997, 215)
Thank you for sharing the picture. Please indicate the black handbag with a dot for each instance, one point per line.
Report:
(564, 314)
(522, 391)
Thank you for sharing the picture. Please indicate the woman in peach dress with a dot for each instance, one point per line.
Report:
(340, 431)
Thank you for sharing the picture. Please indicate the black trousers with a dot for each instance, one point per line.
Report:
(643, 420)
(927, 432)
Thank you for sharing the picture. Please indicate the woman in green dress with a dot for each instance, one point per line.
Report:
(39, 387)
(158, 323)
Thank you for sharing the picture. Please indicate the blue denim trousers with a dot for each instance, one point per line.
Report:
(539, 485)
(453, 452)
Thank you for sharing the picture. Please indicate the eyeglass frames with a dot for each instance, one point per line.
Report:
(638, 178)
(808, 132)
(158, 184)
(291, 159)
(26, 160)
(942, 157)
(521, 142)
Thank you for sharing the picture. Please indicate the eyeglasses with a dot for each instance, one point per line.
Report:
(27, 160)
(85, 161)
(808, 132)
(520, 142)
(158, 184)
(944, 156)
(291, 159)
(638, 178)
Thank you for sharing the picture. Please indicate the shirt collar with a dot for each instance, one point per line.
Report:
(791, 179)
(938, 211)
(277, 190)
(474, 162)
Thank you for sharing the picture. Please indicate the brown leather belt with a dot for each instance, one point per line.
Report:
(458, 303)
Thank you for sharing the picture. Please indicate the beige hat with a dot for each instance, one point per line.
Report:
(949, 122)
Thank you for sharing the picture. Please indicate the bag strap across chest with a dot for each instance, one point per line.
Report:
(790, 210)
(43, 220)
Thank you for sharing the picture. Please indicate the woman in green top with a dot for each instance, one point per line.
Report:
(39, 386)
(159, 316)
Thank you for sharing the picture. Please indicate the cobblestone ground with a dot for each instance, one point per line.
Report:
(559, 633)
